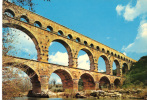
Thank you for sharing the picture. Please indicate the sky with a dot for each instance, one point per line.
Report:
(119, 24)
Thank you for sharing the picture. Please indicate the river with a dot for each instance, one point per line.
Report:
(29, 98)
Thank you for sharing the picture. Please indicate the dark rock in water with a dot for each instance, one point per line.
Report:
(97, 93)
(37, 95)
(78, 95)
(94, 94)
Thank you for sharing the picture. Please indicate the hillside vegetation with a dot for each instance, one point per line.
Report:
(137, 76)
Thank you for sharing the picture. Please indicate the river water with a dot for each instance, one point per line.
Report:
(29, 98)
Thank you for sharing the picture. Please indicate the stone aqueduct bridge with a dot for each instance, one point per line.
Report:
(35, 26)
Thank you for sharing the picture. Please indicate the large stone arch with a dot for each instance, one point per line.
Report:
(90, 55)
(117, 83)
(33, 75)
(104, 82)
(118, 73)
(125, 67)
(25, 30)
(68, 48)
(88, 81)
(107, 63)
(66, 77)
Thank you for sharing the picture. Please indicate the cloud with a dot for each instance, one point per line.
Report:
(101, 71)
(83, 62)
(59, 58)
(119, 9)
(124, 53)
(130, 13)
(51, 43)
(140, 43)
(59, 81)
(108, 38)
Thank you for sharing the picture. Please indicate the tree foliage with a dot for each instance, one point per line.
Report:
(22, 3)
(137, 76)
(115, 72)
(13, 84)
(53, 82)
(80, 85)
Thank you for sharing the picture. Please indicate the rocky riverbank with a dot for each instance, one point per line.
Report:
(100, 94)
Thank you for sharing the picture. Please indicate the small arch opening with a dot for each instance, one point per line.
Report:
(60, 33)
(103, 50)
(108, 52)
(49, 28)
(121, 57)
(37, 24)
(78, 40)
(97, 48)
(118, 56)
(85, 43)
(69, 36)
(9, 13)
(91, 45)
(24, 19)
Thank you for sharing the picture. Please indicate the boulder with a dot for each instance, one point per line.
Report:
(38, 95)
(78, 95)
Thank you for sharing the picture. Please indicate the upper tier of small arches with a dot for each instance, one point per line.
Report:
(75, 38)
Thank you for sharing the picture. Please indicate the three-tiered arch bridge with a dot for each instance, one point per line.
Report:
(43, 31)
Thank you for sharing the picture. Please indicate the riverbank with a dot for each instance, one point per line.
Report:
(100, 94)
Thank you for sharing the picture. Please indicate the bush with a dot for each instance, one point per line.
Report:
(136, 77)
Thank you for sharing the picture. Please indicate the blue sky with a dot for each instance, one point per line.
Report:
(119, 24)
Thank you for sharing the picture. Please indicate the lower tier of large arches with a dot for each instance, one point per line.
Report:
(69, 76)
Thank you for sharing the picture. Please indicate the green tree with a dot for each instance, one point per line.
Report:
(137, 74)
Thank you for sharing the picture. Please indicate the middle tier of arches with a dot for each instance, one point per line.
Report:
(43, 39)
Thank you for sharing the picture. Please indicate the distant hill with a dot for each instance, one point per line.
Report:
(137, 76)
